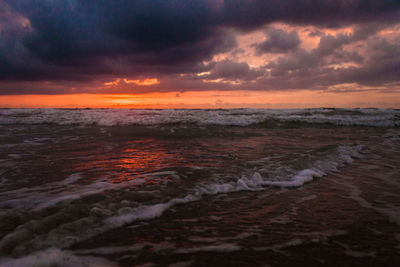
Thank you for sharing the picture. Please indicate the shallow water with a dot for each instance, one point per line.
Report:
(194, 187)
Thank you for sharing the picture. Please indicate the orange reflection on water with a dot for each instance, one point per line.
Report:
(142, 158)
(128, 161)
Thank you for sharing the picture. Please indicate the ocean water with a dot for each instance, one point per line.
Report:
(240, 187)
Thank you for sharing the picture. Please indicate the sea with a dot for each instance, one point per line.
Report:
(197, 187)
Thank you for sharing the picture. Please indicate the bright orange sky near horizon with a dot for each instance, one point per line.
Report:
(206, 99)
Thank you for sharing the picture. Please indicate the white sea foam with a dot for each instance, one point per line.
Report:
(277, 247)
(55, 257)
(147, 212)
(225, 247)
(46, 195)
(156, 247)
(306, 198)
(182, 264)
(217, 239)
(322, 236)
(313, 237)
(343, 155)
(391, 211)
(241, 117)
(50, 194)
(355, 254)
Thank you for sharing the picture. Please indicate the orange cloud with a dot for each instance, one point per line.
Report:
(116, 82)
(145, 82)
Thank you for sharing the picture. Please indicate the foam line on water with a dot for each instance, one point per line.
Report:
(50, 194)
(220, 248)
(55, 257)
(147, 212)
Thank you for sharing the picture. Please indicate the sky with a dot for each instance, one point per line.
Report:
(200, 53)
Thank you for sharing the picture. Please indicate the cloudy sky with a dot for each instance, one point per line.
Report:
(232, 51)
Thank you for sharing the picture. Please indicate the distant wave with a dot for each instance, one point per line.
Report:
(234, 117)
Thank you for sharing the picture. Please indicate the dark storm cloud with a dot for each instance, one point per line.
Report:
(333, 13)
(229, 70)
(278, 41)
(76, 39)
(383, 65)
(310, 70)
(82, 40)
(328, 44)
(301, 60)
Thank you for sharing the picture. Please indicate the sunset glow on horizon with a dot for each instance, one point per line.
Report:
(206, 100)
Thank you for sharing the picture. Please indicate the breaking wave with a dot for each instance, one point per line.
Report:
(234, 117)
